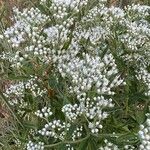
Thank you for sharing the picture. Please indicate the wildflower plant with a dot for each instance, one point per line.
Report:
(79, 75)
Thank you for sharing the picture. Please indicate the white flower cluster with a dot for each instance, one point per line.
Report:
(52, 33)
(16, 59)
(16, 92)
(77, 133)
(59, 8)
(136, 36)
(72, 112)
(33, 132)
(95, 11)
(74, 4)
(24, 23)
(69, 147)
(55, 129)
(108, 15)
(42, 1)
(138, 10)
(95, 34)
(144, 135)
(129, 147)
(92, 109)
(136, 29)
(117, 13)
(91, 72)
(18, 143)
(15, 89)
(144, 75)
(59, 33)
(32, 85)
(35, 146)
(109, 146)
(43, 53)
(44, 113)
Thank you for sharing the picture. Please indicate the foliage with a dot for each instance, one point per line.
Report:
(79, 76)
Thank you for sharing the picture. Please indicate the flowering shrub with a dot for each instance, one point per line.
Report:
(80, 75)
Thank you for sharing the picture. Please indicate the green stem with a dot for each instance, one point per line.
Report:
(127, 93)
(83, 139)
(127, 109)
(53, 145)
(67, 142)
(107, 135)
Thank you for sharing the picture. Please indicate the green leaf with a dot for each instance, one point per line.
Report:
(92, 144)
(127, 138)
(140, 116)
(83, 145)
(13, 77)
(9, 107)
